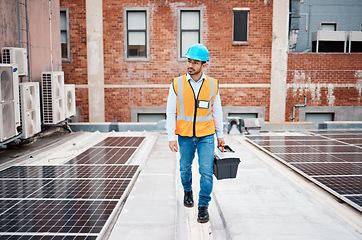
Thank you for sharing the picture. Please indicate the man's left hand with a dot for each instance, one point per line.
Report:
(220, 142)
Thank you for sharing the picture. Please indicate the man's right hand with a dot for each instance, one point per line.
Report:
(173, 146)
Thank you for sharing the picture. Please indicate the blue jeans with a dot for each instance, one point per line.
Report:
(205, 152)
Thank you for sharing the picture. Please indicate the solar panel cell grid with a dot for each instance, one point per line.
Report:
(343, 185)
(70, 171)
(103, 156)
(333, 149)
(82, 189)
(15, 188)
(319, 142)
(341, 136)
(318, 157)
(351, 140)
(356, 199)
(331, 158)
(121, 142)
(46, 237)
(329, 168)
(291, 149)
(55, 216)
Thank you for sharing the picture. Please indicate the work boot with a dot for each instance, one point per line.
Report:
(203, 216)
(188, 199)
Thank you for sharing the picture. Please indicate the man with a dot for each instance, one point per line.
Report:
(194, 113)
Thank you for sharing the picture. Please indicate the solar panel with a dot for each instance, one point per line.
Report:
(54, 216)
(291, 149)
(121, 142)
(82, 189)
(70, 171)
(46, 237)
(63, 188)
(103, 156)
(277, 143)
(319, 142)
(303, 157)
(329, 168)
(20, 188)
(355, 199)
(338, 149)
(71, 201)
(350, 140)
(332, 159)
(343, 185)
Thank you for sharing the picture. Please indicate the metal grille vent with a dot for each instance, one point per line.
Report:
(53, 97)
(6, 55)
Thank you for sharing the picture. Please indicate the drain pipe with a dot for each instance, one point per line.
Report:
(295, 106)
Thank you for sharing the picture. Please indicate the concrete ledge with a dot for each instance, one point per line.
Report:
(161, 126)
(118, 127)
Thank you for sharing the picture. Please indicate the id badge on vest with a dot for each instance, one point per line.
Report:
(203, 104)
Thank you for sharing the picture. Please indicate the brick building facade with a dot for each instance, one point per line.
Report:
(129, 86)
(242, 69)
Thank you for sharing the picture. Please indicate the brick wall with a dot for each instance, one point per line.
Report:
(327, 79)
(231, 64)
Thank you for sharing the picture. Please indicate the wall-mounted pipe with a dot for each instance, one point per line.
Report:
(295, 106)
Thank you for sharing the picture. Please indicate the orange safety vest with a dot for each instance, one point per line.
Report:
(194, 113)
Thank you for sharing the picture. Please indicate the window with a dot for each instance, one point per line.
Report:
(137, 35)
(319, 117)
(190, 30)
(64, 34)
(150, 117)
(329, 26)
(241, 25)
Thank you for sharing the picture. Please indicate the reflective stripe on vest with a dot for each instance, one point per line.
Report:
(186, 123)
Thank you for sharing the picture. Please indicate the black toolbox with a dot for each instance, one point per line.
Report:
(225, 163)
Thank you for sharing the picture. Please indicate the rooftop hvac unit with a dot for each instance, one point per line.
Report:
(18, 56)
(53, 97)
(329, 41)
(9, 101)
(355, 41)
(30, 108)
(69, 95)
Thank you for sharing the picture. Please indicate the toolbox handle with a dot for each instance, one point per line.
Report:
(225, 148)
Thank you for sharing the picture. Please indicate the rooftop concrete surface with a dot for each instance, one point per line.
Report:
(266, 200)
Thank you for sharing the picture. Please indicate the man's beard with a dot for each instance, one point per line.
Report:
(195, 73)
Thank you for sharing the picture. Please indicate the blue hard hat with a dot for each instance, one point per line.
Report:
(198, 52)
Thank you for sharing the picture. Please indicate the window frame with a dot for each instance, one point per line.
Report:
(329, 24)
(179, 30)
(126, 31)
(66, 10)
(242, 9)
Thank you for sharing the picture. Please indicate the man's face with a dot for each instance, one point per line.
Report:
(194, 66)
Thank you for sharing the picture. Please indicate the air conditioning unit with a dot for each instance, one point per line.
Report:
(30, 108)
(9, 101)
(18, 56)
(53, 97)
(69, 94)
